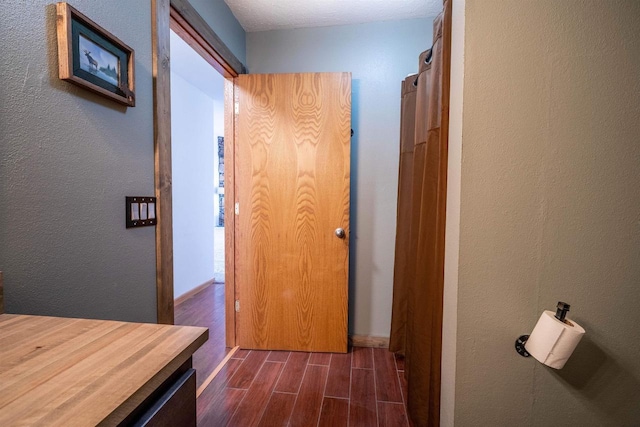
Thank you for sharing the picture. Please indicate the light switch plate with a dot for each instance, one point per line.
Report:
(140, 211)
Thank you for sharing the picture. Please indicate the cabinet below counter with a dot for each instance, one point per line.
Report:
(81, 372)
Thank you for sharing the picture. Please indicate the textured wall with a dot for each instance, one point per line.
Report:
(549, 210)
(67, 160)
(379, 56)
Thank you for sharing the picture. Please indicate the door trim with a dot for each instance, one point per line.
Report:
(162, 158)
(180, 16)
(220, 57)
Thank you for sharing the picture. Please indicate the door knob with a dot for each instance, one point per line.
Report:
(340, 233)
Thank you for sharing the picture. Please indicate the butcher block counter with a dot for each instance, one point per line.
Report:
(79, 372)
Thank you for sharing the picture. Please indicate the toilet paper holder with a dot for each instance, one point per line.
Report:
(561, 314)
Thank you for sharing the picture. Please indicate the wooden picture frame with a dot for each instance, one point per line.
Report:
(92, 58)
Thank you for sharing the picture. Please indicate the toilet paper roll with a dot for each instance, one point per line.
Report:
(553, 341)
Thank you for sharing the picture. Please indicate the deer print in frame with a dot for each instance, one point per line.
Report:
(91, 57)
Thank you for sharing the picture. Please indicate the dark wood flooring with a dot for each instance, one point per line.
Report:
(364, 387)
(206, 308)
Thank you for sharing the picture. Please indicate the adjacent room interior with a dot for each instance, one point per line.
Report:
(197, 149)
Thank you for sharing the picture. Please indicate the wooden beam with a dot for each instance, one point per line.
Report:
(183, 29)
(229, 214)
(183, 12)
(1, 295)
(162, 152)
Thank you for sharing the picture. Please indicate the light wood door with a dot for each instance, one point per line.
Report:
(292, 187)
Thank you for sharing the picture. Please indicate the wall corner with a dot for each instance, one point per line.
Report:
(452, 233)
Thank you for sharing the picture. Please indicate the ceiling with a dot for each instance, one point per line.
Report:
(263, 15)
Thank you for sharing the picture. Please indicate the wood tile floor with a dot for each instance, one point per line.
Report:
(364, 387)
(206, 308)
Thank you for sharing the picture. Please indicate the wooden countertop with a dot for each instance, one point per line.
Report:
(77, 372)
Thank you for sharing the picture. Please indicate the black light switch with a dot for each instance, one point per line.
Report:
(140, 211)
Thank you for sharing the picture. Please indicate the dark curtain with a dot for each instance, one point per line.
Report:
(417, 310)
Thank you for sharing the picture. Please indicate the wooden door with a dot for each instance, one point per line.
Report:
(292, 189)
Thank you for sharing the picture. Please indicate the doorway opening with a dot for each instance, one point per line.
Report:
(197, 170)
(181, 18)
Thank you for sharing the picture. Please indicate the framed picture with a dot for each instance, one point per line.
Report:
(91, 57)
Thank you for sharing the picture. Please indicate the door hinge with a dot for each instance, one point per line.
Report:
(237, 108)
(237, 208)
(237, 306)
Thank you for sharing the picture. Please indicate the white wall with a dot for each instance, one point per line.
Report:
(379, 56)
(549, 210)
(196, 88)
(218, 116)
